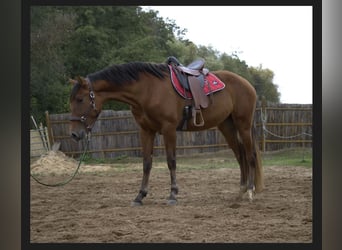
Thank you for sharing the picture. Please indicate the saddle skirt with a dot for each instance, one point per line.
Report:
(211, 85)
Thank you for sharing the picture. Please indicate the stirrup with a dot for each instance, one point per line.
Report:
(195, 112)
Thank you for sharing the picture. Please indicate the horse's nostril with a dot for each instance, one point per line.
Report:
(75, 136)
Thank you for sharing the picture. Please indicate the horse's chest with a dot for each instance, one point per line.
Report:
(146, 121)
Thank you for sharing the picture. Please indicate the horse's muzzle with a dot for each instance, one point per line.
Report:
(76, 136)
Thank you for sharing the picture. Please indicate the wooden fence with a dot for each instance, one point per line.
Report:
(116, 133)
(39, 144)
(283, 125)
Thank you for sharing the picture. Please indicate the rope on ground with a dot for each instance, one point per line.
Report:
(73, 175)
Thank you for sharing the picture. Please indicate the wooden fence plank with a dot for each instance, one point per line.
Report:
(116, 132)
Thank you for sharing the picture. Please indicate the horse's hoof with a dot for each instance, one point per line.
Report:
(250, 194)
(136, 203)
(172, 202)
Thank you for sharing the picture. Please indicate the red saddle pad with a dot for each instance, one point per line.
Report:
(211, 84)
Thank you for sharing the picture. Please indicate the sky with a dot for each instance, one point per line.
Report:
(275, 37)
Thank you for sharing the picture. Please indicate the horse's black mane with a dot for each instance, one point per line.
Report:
(125, 73)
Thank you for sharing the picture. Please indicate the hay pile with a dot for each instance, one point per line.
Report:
(57, 163)
(54, 162)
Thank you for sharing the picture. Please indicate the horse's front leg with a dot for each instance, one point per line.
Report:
(147, 141)
(170, 147)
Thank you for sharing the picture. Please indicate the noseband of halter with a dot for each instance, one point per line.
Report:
(92, 106)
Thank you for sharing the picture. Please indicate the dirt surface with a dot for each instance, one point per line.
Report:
(96, 206)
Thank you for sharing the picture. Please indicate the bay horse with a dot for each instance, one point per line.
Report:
(158, 108)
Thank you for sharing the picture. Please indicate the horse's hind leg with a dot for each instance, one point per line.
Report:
(170, 147)
(250, 156)
(230, 133)
(147, 141)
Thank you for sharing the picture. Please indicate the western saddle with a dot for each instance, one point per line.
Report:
(191, 78)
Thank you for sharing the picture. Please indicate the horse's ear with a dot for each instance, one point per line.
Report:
(81, 80)
(72, 81)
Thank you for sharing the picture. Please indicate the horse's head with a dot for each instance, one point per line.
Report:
(84, 108)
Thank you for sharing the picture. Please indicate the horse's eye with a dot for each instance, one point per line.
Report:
(79, 99)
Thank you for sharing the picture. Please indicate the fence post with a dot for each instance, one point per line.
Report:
(47, 136)
(303, 144)
(48, 124)
(263, 120)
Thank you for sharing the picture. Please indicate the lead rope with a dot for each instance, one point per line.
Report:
(73, 176)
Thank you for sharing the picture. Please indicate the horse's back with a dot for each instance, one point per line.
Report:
(238, 86)
(242, 95)
(234, 80)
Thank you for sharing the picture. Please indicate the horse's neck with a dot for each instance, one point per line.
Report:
(128, 93)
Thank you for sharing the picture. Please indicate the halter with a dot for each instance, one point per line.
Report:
(92, 106)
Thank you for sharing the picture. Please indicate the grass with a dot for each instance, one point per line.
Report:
(221, 159)
(289, 157)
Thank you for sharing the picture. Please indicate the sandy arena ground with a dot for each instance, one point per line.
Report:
(96, 206)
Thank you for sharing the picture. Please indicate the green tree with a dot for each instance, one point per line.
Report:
(211, 56)
(67, 41)
(50, 29)
(262, 80)
(234, 64)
